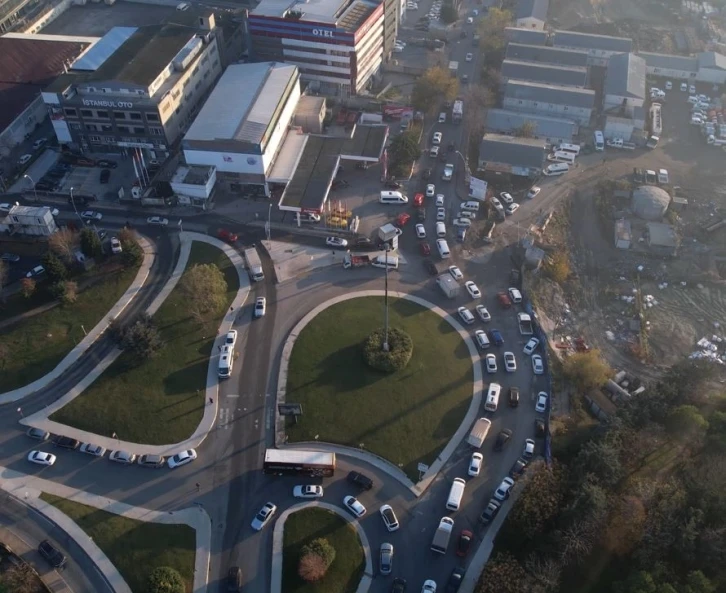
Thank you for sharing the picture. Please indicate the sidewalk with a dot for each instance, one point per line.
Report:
(73, 356)
(278, 543)
(41, 419)
(28, 489)
(383, 464)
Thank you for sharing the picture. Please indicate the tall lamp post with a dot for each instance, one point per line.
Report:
(35, 191)
(73, 203)
(385, 306)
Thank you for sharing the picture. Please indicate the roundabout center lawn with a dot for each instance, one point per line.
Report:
(162, 400)
(134, 547)
(346, 570)
(406, 417)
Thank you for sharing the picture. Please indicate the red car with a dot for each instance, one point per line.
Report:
(226, 235)
(425, 248)
(462, 548)
(418, 200)
(402, 219)
(504, 300)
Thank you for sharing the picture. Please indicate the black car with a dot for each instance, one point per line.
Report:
(513, 397)
(105, 175)
(427, 174)
(490, 511)
(517, 468)
(638, 175)
(66, 443)
(360, 480)
(430, 267)
(234, 579)
(399, 585)
(10, 257)
(461, 234)
(457, 576)
(51, 554)
(539, 428)
(105, 164)
(45, 186)
(363, 243)
(502, 439)
(421, 214)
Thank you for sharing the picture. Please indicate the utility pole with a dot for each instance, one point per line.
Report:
(385, 307)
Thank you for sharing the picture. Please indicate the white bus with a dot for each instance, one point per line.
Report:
(599, 141)
(573, 148)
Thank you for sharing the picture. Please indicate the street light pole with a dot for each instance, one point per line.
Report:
(385, 307)
(269, 217)
(73, 203)
(35, 191)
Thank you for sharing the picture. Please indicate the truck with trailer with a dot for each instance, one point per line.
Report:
(656, 121)
(525, 324)
(479, 432)
(254, 265)
(448, 285)
(457, 111)
(442, 536)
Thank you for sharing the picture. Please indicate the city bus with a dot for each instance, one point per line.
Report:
(299, 462)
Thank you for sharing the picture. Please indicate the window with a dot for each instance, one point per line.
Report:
(152, 117)
(206, 74)
(96, 139)
(86, 113)
(195, 71)
(106, 128)
(199, 83)
(140, 131)
(156, 131)
(123, 129)
(102, 114)
(91, 127)
(109, 139)
(135, 116)
(69, 111)
(119, 115)
(75, 126)
(205, 59)
(214, 64)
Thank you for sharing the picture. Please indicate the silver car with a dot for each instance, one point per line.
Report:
(385, 562)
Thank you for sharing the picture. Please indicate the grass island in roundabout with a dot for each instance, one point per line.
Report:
(406, 416)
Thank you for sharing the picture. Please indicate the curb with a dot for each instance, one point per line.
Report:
(278, 544)
(75, 354)
(478, 385)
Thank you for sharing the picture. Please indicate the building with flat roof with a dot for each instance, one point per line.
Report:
(136, 90)
(531, 14)
(548, 99)
(527, 36)
(598, 47)
(552, 130)
(27, 64)
(543, 73)
(546, 55)
(36, 221)
(662, 239)
(523, 157)
(338, 45)
(624, 88)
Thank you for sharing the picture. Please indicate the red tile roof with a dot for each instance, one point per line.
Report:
(26, 67)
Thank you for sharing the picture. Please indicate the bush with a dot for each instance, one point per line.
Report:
(70, 292)
(165, 580)
(27, 287)
(54, 267)
(132, 254)
(400, 350)
(315, 559)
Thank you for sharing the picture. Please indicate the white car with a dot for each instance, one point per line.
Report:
(456, 273)
(465, 222)
(430, 190)
(483, 313)
(472, 289)
(506, 197)
(439, 199)
(351, 503)
(263, 517)
(182, 458)
(684, 87)
(469, 57)
(510, 362)
(420, 231)
(308, 491)
(260, 306)
(91, 215)
(24, 159)
(437, 138)
(512, 208)
(231, 339)
(41, 458)
(389, 518)
(157, 221)
(496, 203)
(692, 89)
(466, 214)
(528, 451)
(465, 315)
(53, 211)
(531, 346)
(541, 404)
(36, 271)
(122, 457)
(469, 20)
(537, 365)
(482, 339)
(533, 192)
(477, 459)
(116, 245)
(668, 85)
(441, 214)
(336, 242)
(429, 586)
(491, 363)
(502, 491)
(93, 450)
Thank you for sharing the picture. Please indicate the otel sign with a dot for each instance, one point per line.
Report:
(322, 33)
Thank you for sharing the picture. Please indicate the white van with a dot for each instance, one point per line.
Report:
(561, 157)
(385, 261)
(472, 206)
(556, 169)
(599, 141)
(442, 118)
(434, 152)
(456, 494)
(440, 229)
(226, 361)
(392, 197)
(443, 248)
(493, 397)
(573, 148)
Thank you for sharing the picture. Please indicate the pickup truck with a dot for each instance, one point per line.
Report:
(525, 324)
(356, 261)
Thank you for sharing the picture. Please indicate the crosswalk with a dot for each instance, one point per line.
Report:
(235, 406)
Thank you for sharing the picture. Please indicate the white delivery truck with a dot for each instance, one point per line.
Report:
(448, 285)
(442, 536)
(479, 432)
(254, 265)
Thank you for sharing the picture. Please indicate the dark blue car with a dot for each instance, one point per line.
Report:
(496, 337)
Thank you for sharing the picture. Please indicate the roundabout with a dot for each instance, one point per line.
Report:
(405, 416)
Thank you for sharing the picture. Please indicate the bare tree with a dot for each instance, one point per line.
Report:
(21, 578)
(64, 243)
(4, 355)
(3, 274)
(526, 130)
(546, 571)
(577, 541)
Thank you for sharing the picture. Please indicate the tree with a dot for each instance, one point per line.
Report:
(637, 582)
(599, 459)
(27, 287)
(70, 292)
(491, 30)
(435, 86)
(624, 529)
(55, 269)
(587, 370)
(90, 243)
(686, 423)
(165, 579)
(449, 14)
(716, 433)
(20, 578)
(206, 290)
(4, 354)
(404, 150)
(526, 130)
(64, 243)
(503, 574)
(315, 560)
(140, 338)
